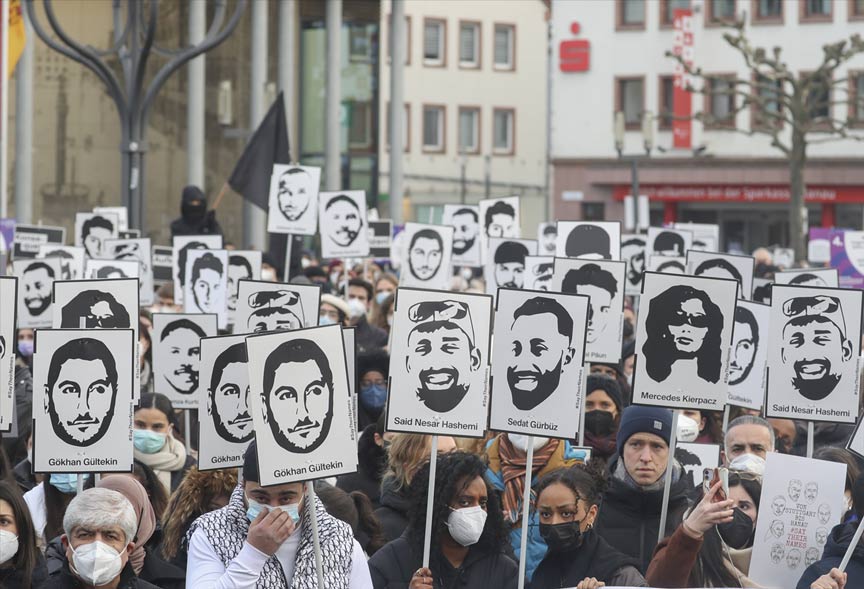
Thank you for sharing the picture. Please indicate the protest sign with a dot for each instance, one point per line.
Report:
(738, 268)
(536, 382)
(547, 236)
(505, 262)
(92, 229)
(293, 199)
(122, 214)
(129, 233)
(163, 264)
(342, 224)
(206, 283)
(813, 348)
(176, 344)
(82, 400)
(856, 442)
(428, 250)
(695, 458)
(749, 355)
(242, 265)
(662, 241)
(7, 234)
(301, 405)
(224, 420)
(846, 254)
(34, 290)
(349, 340)
(28, 238)
(271, 306)
(784, 257)
(667, 264)
(816, 277)
(71, 259)
(819, 244)
(762, 290)
(603, 282)
(139, 250)
(599, 240)
(802, 499)
(633, 252)
(8, 348)
(538, 272)
(102, 269)
(181, 246)
(380, 239)
(683, 334)
(706, 236)
(439, 344)
(465, 221)
(499, 217)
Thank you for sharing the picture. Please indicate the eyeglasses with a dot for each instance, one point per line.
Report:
(680, 318)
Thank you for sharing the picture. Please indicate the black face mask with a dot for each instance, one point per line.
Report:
(739, 532)
(599, 423)
(564, 537)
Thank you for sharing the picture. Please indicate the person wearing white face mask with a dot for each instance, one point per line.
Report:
(262, 539)
(507, 455)
(468, 533)
(21, 563)
(99, 535)
(367, 337)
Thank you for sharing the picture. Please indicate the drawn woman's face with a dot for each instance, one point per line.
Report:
(689, 326)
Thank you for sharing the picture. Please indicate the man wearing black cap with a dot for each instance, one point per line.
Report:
(588, 241)
(630, 518)
(510, 264)
(194, 218)
(263, 538)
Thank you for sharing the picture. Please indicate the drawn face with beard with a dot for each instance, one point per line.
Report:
(182, 346)
(295, 191)
(343, 220)
(633, 250)
(425, 254)
(228, 400)
(745, 341)
(465, 230)
(540, 348)
(37, 281)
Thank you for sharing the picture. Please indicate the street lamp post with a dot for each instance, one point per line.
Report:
(647, 142)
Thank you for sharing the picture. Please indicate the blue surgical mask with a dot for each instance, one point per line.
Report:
(373, 397)
(255, 508)
(66, 483)
(25, 348)
(148, 442)
(381, 297)
(326, 320)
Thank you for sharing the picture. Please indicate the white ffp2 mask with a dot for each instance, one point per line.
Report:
(8, 546)
(466, 524)
(96, 563)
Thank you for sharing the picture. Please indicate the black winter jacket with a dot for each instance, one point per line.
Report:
(835, 549)
(370, 467)
(393, 513)
(63, 578)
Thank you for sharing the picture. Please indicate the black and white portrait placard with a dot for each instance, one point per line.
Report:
(706, 236)
(814, 345)
(342, 224)
(856, 442)
(181, 246)
(225, 425)
(802, 499)
(34, 290)
(749, 355)
(294, 199)
(176, 355)
(538, 273)
(301, 404)
(694, 458)
(603, 282)
(537, 367)
(600, 240)
(762, 290)
(206, 284)
(633, 252)
(547, 236)
(440, 357)
(92, 229)
(664, 241)
(683, 334)
(29, 238)
(163, 264)
(505, 262)
(106, 269)
(738, 268)
(8, 346)
(242, 265)
(71, 259)
(465, 221)
(122, 214)
(380, 238)
(667, 264)
(273, 306)
(82, 400)
(139, 250)
(499, 217)
(813, 277)
(427, 255)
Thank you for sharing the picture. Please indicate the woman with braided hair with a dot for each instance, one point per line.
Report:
(468, 533)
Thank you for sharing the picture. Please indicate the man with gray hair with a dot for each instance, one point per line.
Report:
(748, 434)
(99, 528)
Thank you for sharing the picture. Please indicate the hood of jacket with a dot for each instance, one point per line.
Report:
(395, 499)
(193, 205)
(839, 540)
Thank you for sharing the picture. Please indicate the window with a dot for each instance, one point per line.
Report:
(856, 98)
(720, 101)
(721, 11)
(767, 106)
(434, 42)
(666, 102)
(768, 11)
(856, 9)
(630, 98)
(469, 130)
(360, 124)
(469, 45)
(631, 14)
(433, 128)
(502, 131)
(668, 8)
(818, 99)
(407, 38)
(406, 128)
(359, 44)
(505, 42)
(815, 10)
(593, 211)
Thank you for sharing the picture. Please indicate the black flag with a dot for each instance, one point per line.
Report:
(268, 146)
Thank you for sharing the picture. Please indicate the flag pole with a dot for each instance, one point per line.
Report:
(220, 196)
(4, 108)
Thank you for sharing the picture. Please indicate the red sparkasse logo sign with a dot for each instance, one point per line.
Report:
(741, 193)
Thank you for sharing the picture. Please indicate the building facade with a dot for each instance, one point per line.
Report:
(611, 56)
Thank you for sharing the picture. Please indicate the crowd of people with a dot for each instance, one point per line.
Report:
(594, 518)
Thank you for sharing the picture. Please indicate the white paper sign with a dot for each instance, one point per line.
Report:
(428, 251)
(242, 265)
(818, 277)
(814, 344)
(538, 272)
(683, 334)
(122, 214)
(438, 364)
(589, 240)
(301, 405)
(762, 290)
(465, 221)
(505, 262)
(547, 235)
(82, 400)
(802, 499)
(603, 282)
(667, 264)
(342, 224)
(71, 259)
(538, 363)
(181, 247)
(633, 252)
(784, 257)
(695, 458)
(706, 236)
(206, 284)
(663, 241)
(92, 229)
(499, 217)
(8, 345)
(35, 308)
(738, 268)
(107, 269)
(139, 250)
(293, 199)
(749, 355)
(176, 355)
(225, 425)
(349, 339)
(272, 306)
